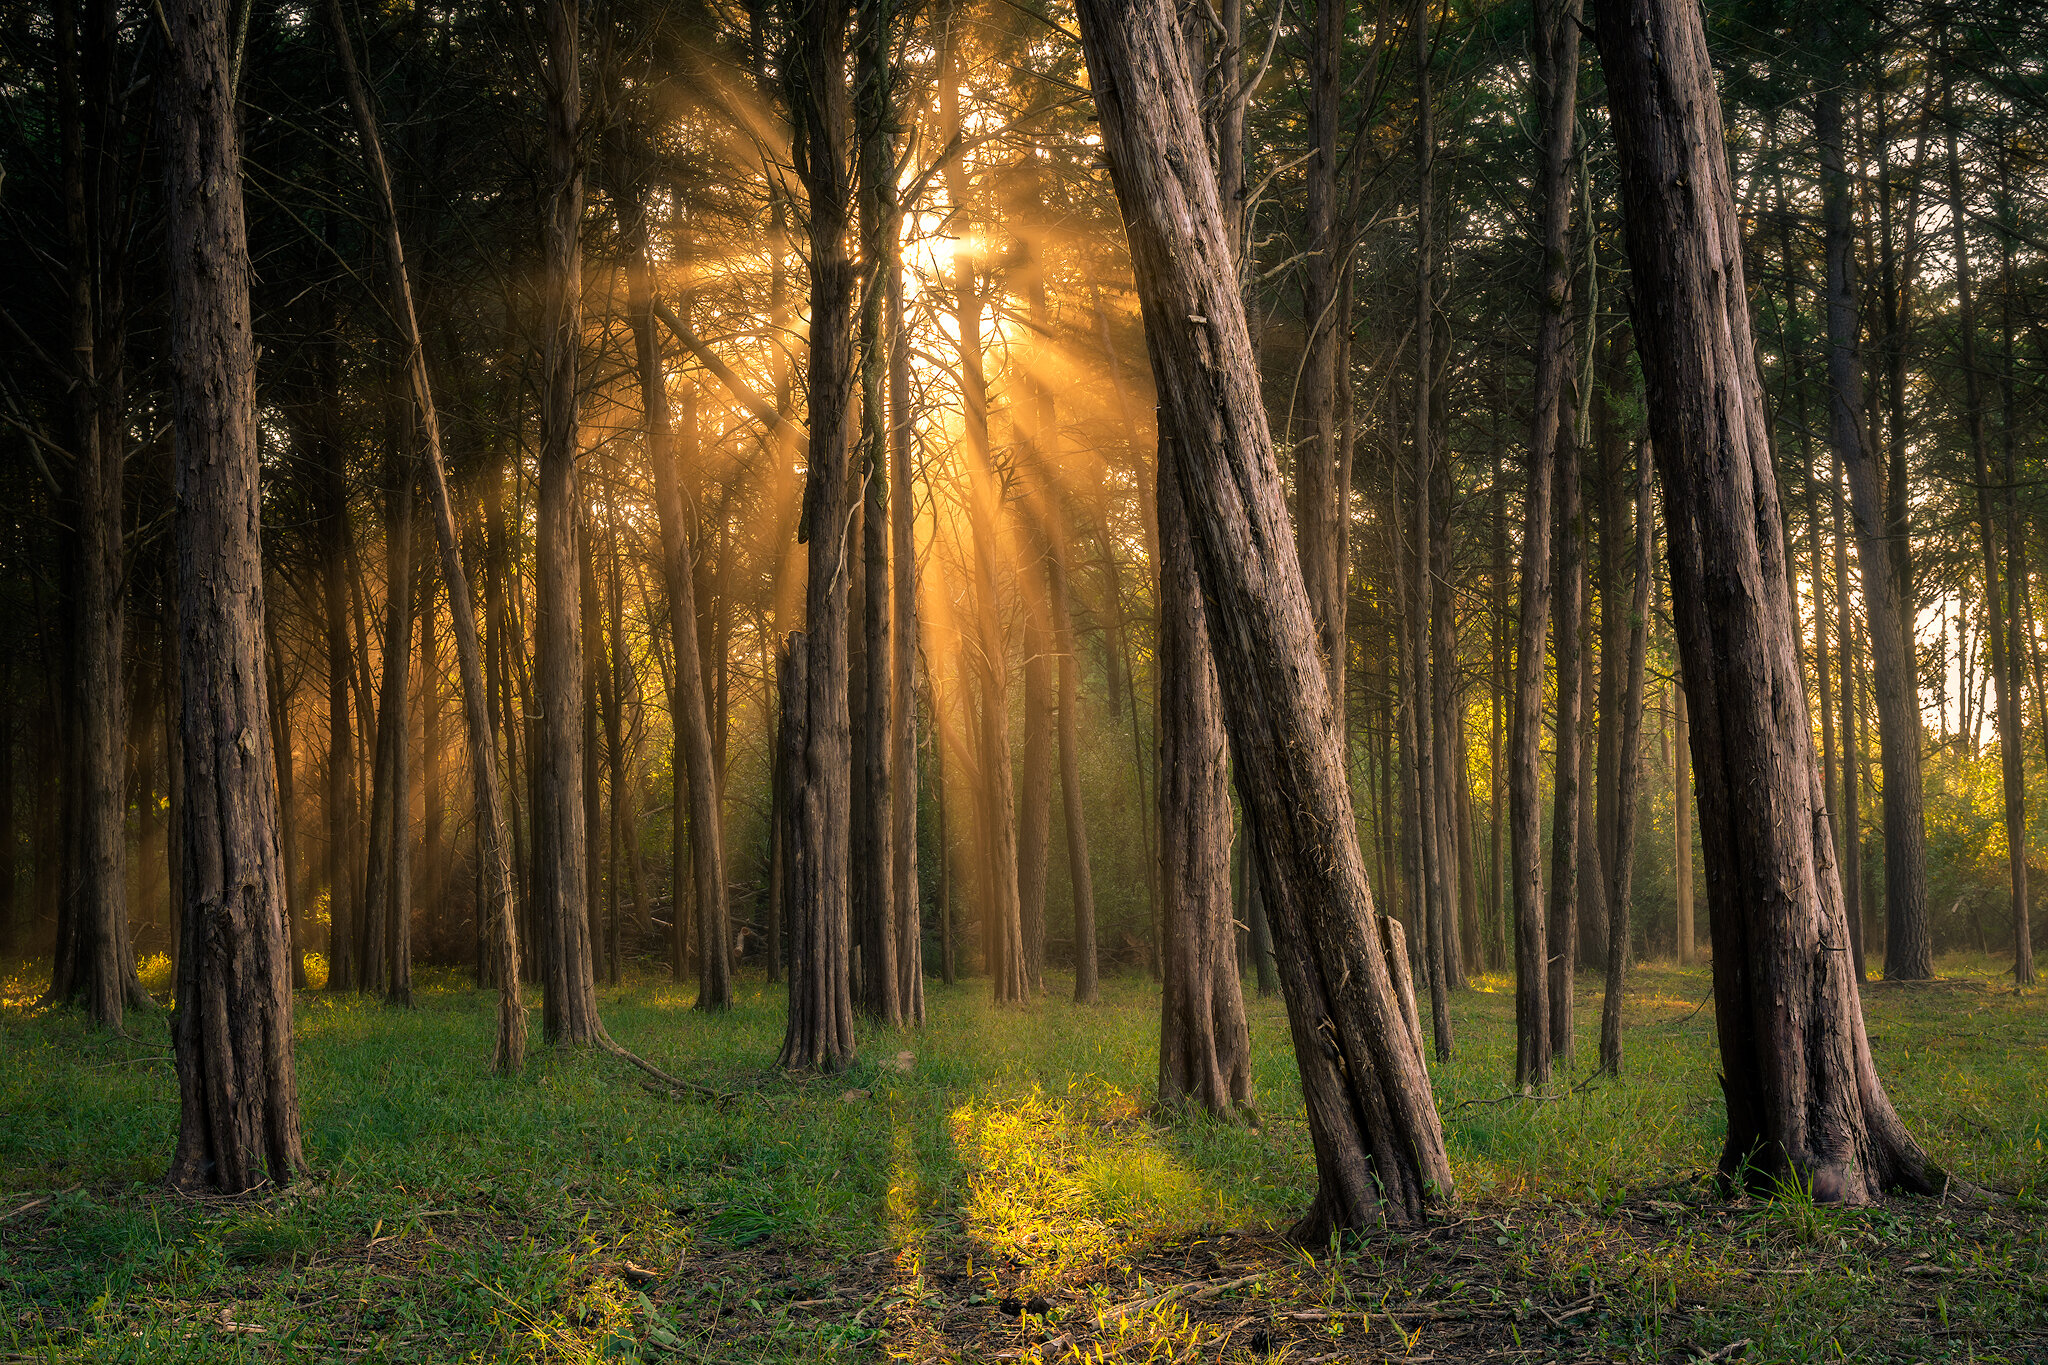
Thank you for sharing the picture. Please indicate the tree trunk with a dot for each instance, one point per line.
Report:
(1568, 622)
(1681, 827)
(1804, 1099)
(1034, 794)
(2011, 732)
(238, 1123)
(1087, 986)
(874, 748)
(1556, 82)
(1379, 1145)
(1628, 770)
(903, 665)
(1319, 502)
(389, 896)
(569, 995)
(1204, 1042)
(1908, 950)
(95, 965)
(820, 1026)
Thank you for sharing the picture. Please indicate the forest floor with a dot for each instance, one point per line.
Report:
(995, 1186)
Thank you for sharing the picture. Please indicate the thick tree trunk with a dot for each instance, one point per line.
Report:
(238, 1122)
(1556, 82)
(1908, 949)
(820, 1026)
(1379, 1145)
(1804, 1099)
(1204, 1042)
(560, 892)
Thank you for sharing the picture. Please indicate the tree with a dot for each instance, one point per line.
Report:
(238, 1123)
(1804, 1099)
(820, 1027)
(1379, 1146)
(1555, 77)
(1908, 950)
(569, 991)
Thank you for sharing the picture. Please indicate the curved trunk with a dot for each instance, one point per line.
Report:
(1804, 1099)
(1379, 1145)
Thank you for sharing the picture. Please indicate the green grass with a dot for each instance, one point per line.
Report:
(569, 1214)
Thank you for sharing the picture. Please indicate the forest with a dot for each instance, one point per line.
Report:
(1023, 680)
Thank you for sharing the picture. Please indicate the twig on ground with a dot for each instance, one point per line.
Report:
(1192, 1290)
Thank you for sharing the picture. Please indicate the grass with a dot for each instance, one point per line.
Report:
(994, 1181)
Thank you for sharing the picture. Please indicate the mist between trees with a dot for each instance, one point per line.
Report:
(1278, 497)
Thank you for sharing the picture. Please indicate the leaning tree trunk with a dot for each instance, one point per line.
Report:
(495, 905)
(1804, 1099)
(1379, 1144)
(238, 1122)
(569, 991)
(1204, 1041)
(1908, 952)
(1556, 70)
(820, 1027)
(690, 716)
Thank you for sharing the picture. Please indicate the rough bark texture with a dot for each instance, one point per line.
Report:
(1804, 1100)
(569, 1014)
(820, 1028)
(903, 666)
(1556, 75)
(1204, 1042)
(1319, 502)
(238, 1122)
(1909, 952)
(1379, 1146)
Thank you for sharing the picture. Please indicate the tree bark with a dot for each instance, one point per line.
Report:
(238, 1122)
(1555, 78)
(1804, 1099)
(1379, 1145)
(560, 892)
(1319, 502)
(1204, 1042)
(820, 1026)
